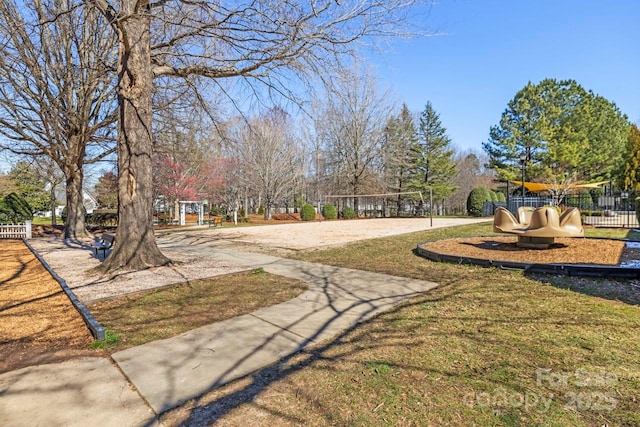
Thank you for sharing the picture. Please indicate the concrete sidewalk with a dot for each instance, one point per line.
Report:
(169, 372)
(166, 373)
(88, 391)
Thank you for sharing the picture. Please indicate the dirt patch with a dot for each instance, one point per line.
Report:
(564, 251)
(38, 323)
(280, 217)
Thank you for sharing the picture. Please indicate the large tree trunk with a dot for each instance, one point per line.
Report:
(135, 246)
(52, 204)
(267, 209)
(74, 226)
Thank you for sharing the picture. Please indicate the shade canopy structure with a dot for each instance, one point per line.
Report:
(540, 187)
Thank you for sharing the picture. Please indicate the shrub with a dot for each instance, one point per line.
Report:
(476, 199)
(298, 203)
(501, 197)
(581, 200)
(15, 209)
(308, 212)
(638, 208)
(329, 211)
(261, 210)
(595, 194)
(229, 218)
(5, 212)
(102, 218)
(493, 196)
(348, 213)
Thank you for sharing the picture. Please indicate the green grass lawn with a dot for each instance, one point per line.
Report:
(38, 220)
(165, 312)
(486, 348)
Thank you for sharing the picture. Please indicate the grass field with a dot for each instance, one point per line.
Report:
(487, 348)
(161, 313)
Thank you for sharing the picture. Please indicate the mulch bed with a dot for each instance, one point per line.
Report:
(564, 251)
(47, 230)
(38, 323)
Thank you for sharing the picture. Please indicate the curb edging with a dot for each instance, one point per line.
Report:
(97, 330)
(589, 270)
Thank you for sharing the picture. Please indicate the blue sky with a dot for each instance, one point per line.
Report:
(490, 49)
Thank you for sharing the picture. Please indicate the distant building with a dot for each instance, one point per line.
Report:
(90, 204)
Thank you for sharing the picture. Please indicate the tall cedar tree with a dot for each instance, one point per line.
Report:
(30, 186)
(434, 167)
(106, 190)
(632, 164)
(400, 154)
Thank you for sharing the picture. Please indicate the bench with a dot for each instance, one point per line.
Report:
(166, 221)
(216, 221)
(105, 243)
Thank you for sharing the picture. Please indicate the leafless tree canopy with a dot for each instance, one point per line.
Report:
(275, 45)
(56, 78)
(351, 128)
(254, 38)
(266, 43)
(57, 84)
(272, 161)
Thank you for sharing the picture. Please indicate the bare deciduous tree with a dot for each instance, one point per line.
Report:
(270, 42)
(470, 173)
(57, 94)
(50, 172)
(351, 126)
(271, 159)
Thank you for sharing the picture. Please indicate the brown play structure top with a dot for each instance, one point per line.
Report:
(544, 222)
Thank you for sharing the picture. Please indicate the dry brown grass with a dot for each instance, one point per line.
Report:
(169, 311)
(487, 348)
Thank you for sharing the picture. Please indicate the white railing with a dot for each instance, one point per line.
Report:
(16, 231)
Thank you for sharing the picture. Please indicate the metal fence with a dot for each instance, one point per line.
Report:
(616, 210)
(15, 231)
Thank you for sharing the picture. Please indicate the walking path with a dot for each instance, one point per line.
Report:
(172, 371)
(166, 373)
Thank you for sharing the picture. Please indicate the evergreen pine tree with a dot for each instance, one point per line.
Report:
(434, 167)
(400, 153)
(30, 186)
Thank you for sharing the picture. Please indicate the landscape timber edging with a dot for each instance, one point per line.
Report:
(97, 330)
(590, 270)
